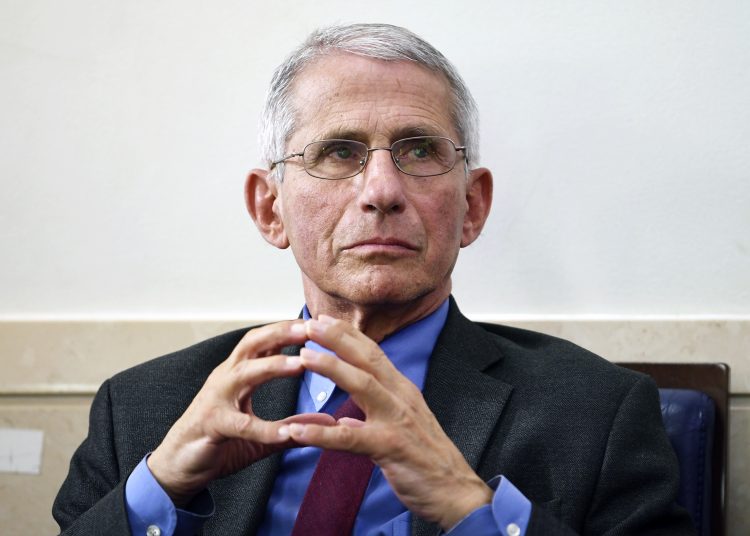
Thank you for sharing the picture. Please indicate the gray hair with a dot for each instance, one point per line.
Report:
(378, 41)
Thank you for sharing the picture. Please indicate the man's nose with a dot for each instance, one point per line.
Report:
(383, 184)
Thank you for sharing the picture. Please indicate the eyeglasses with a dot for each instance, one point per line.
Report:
(423, 156)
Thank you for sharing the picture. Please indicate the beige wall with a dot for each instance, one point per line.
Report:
(51, 369)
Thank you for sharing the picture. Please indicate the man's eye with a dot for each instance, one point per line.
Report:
(342, 152)
(420, 152)
(336, 152)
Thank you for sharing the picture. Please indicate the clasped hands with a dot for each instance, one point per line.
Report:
(219, 434)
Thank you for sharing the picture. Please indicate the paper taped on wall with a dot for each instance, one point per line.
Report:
(21, 450)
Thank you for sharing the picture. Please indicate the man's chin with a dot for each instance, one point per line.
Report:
(377, 286)
(390, 293)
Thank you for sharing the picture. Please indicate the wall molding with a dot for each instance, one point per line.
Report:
(64, 356)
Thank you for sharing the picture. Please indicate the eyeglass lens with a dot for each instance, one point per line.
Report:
(339, 159)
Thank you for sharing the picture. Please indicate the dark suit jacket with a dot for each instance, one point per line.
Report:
(580, 437)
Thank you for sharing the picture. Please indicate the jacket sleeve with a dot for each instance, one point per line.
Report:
(92, 498)
(638, 479)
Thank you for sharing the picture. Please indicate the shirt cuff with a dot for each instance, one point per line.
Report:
(148, 505)
(508, 513)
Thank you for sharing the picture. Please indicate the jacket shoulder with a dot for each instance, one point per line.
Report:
(530, 353)
(188, 364)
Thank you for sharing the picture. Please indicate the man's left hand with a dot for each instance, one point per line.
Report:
(401, 435)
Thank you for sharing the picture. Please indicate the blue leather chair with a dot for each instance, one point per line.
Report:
(694, 405)
(689, 418)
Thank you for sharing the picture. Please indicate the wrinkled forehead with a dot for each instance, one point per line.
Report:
(356, 97)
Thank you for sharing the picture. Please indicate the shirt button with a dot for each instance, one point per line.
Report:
(153, 530)
(321, 396)
(513, 530)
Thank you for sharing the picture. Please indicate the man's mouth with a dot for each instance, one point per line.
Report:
(382, 245)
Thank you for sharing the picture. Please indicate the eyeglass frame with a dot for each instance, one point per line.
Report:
(363, 164)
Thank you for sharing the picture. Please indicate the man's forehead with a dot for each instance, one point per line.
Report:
(339, 66)
(349, 96)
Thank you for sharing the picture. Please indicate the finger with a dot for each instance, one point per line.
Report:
(231, 423)
(321, 419)
(269, 339)
(234, 424)
(359, 440)
(352, 346)
(363, 387)
(249, 373)
(350, 422)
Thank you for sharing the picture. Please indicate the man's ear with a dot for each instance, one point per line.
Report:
(262, 201)
(479, 201)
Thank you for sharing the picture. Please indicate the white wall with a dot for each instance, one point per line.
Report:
(618, 133)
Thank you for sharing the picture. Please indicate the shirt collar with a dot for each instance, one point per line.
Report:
(409, 349)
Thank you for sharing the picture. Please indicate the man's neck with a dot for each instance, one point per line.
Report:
(378, 320)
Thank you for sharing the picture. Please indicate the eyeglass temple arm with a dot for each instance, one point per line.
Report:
(466, 154)
(287, 157)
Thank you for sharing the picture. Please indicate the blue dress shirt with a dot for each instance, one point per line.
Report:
(381, 513)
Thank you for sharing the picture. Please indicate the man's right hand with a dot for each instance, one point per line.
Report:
(219, 434)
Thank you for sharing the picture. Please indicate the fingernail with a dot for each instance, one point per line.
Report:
(297, 329)
(296, 429)
(325, 319)
(284, 432)
(293, 361)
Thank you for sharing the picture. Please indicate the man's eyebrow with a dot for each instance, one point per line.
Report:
(397, 134)
(343, 134)
(414, 131)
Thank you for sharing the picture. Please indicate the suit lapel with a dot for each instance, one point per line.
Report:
(245, 494)
(466, 402)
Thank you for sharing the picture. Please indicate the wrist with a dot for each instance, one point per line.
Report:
(463, 503)
(180, 495)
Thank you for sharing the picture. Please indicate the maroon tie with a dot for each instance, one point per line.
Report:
(336, 489)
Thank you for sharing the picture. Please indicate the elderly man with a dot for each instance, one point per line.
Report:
(425, 420)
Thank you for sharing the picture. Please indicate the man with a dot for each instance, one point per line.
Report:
(371, 138)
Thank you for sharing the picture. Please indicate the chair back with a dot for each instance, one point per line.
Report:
(689, 418)
(695, 404)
